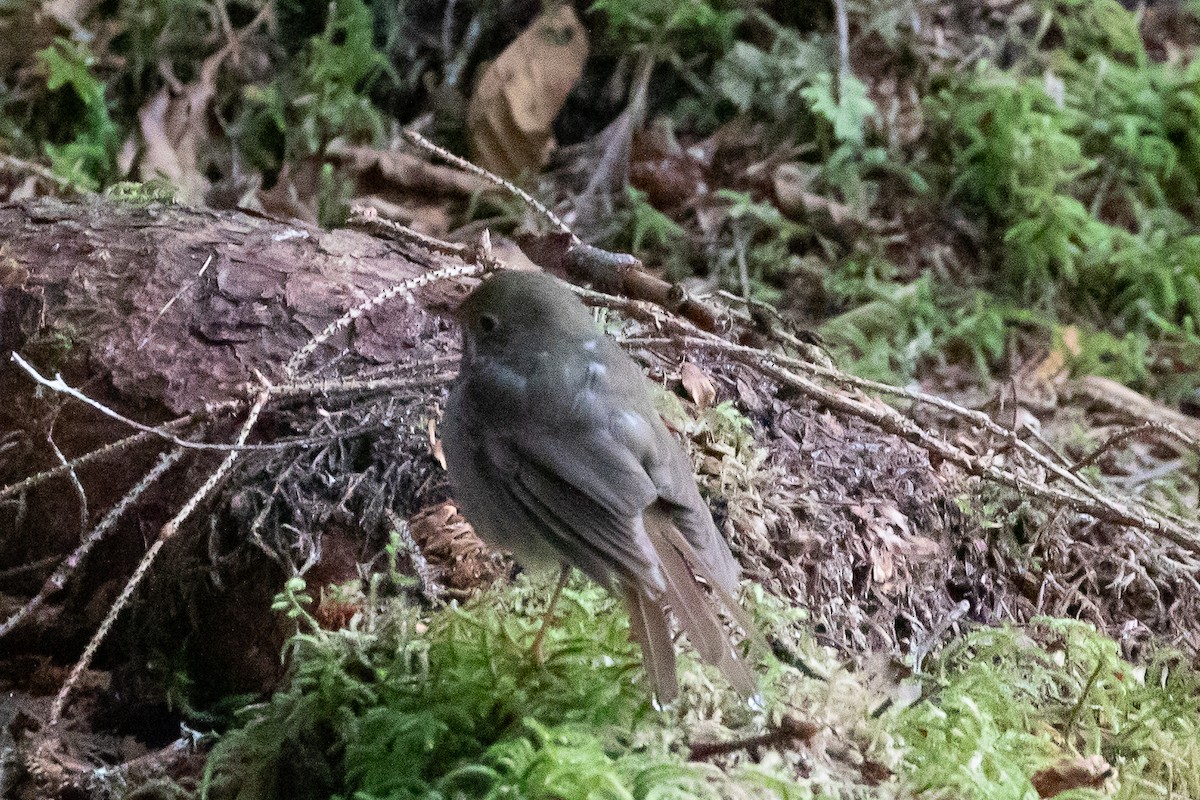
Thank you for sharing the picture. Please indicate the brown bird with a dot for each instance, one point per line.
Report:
(556, 453)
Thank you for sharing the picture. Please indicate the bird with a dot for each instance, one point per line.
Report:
(555, 452)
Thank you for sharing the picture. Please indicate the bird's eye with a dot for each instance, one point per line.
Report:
(488, 323)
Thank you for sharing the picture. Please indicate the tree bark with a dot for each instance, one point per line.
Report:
(161, 311)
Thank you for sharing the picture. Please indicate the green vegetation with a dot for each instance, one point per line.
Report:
(961, 205)
(1002, 703)
(87, 153)
(400, 706)
(403, 705)
(1075, 165)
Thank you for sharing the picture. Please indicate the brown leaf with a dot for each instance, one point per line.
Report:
(382, 172)
(790, 182)
(1073, 773)
(520, 93)
(174, 127)
(698, 385)
(669, 175)
(435, 445)
(294, 195)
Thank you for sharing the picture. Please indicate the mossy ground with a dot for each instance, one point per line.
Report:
(404, 703)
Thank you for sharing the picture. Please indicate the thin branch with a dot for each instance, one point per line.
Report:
(58, 579)
(143, 566)
(370, 386)
(431, 588)
(300, 356)
(367, 217)
(182, 289)
(1085, 498)
(444, 154)
(1131, 433)
(843, 39)
(61, 386)
(784, 734)
(42, 171)
(107, 450)
(75, 482)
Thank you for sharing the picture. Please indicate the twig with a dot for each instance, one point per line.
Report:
(1131, 433)
(143, 566)
(107, 450)
(1089, 499)
(369, 386)
(32, 566)
(367, 217)
(175, 297)
(842, 20)
(426, 574)
(475, 169)
(1037, 436)
(300, 356)
(44, 172)
(788, 730)
(1085, 498)
(75, 482)
(611, 172)
(59, 578)
(61, 386)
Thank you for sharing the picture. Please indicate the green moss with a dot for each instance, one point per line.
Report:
(398, 706)
(1003, 703)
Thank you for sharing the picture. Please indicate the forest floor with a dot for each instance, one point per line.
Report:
(920, 282)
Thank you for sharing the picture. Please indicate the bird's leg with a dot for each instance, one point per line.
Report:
(546, 618)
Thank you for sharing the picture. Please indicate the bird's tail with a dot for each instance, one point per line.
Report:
(648, 627)
(695, 610)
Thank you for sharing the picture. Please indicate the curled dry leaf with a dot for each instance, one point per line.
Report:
(670, 176)
(295, 193)
(174, 127)
(790, 182)
(406, 188)
(698, 385)
(520, 93)
(1074, 773)
(435, 445)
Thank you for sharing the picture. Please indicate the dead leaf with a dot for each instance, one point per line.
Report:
(520, 94)
(294, 195)
(698, 385)
(1075, 773)
(435, 445)
(670, 176)
(406, 171)
(790, 182)
(175, 130)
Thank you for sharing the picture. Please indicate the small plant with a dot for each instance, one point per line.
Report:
(894, 326)
(678, 30)
(650, 226)
(323, 96)
(88, 156)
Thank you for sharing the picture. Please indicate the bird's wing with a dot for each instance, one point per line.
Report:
(602, 542)
(673, 477)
